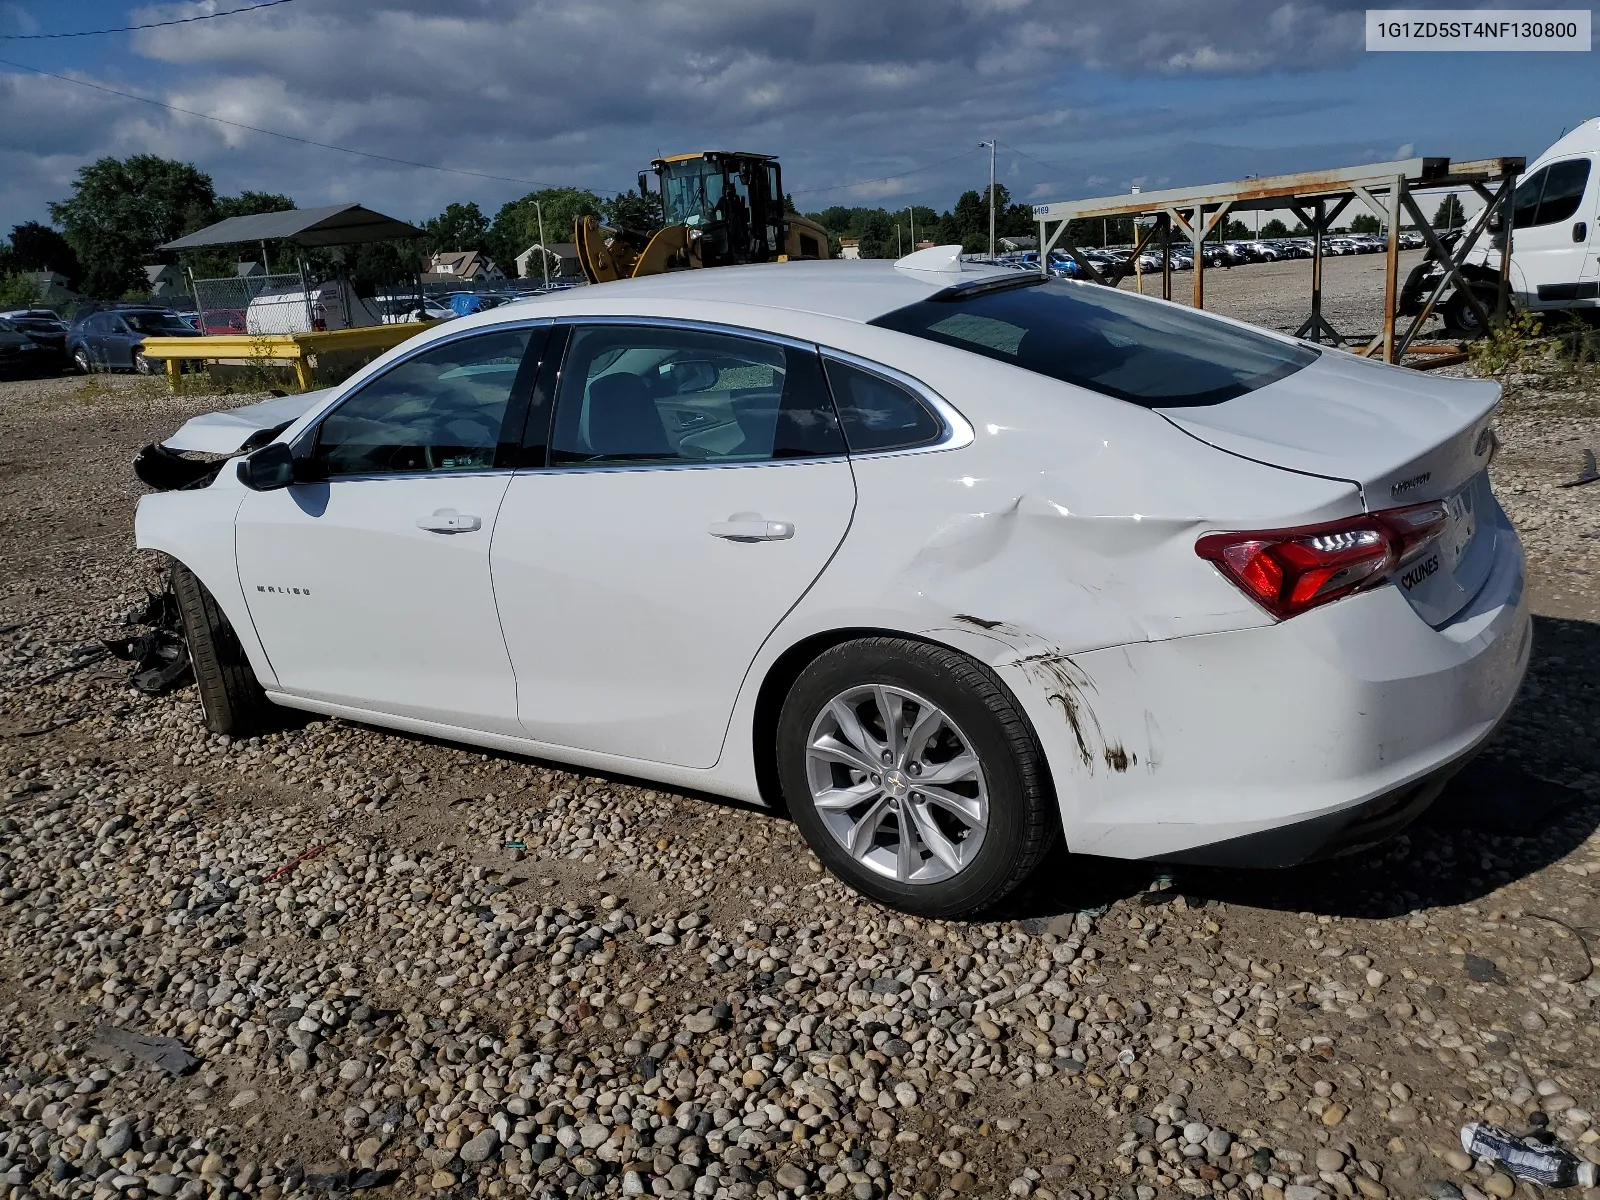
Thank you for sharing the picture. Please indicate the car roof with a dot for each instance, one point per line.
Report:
(849, 289)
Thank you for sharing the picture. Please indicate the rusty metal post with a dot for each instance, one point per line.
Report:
(1508, 214)
(1198, 236)
(1391, 269)
(1316, 272)
(1166, 255)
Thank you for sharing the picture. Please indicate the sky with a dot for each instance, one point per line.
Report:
(882, 102)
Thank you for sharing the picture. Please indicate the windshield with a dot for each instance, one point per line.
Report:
(1142, 351)
(690, 191)
(154, 322)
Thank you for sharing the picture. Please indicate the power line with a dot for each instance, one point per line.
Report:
(288, 137)
(882, 178)
(1032, 159)
(233, 12)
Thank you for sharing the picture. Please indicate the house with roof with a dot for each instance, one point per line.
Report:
(563, 258)
(461, 266)
(163, 280)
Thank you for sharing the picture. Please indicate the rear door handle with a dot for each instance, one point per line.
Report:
(448, 520)
(751, 527)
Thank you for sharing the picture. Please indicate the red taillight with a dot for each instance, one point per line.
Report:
(1288, 571)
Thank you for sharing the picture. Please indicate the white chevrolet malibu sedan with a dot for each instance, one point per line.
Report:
(945, 563)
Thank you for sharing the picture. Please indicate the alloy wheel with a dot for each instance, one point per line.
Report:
(897, 784)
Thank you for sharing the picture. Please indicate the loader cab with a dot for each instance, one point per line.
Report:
(732, 203)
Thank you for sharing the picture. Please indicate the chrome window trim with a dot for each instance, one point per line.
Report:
(305, 440)
(956, 430)
(693, 326)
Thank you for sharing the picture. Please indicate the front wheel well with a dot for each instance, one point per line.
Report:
(780, 679)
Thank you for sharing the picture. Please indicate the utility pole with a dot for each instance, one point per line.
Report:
(899, 250)
(544, 253)
(911, 212)
(990, 144)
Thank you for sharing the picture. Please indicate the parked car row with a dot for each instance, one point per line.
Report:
(32, 340)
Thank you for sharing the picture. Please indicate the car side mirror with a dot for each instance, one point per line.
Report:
(268, 469)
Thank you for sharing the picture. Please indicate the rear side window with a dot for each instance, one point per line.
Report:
(661, 394)
(878, 414)
(1145, 352)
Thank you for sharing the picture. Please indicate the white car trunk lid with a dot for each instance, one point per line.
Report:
(1403, 437)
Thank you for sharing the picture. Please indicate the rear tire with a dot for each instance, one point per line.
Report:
(80, 360)
(141, 364)
(230, 696)
(1006, 787)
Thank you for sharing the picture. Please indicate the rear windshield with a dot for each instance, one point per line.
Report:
(1154, 355)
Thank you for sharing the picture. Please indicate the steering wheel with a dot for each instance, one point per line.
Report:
(492, 427)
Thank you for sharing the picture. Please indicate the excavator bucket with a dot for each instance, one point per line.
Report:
(598, 254)
(669, 248)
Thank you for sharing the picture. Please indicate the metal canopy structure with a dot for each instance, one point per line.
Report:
(1317, 198)
(335, 225)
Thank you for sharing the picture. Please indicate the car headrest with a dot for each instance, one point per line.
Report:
(623, 419)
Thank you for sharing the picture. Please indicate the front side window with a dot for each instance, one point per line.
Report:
(640, 394)
(1550, 194)
(1145, 352)
(444, 410)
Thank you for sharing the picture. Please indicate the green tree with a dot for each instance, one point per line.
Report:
(516, 225)
(1274, 228)
(248, 204)
(1232, 230)
(877, 235)
(36, 247)
(1449, 214)
(121, 210)
(18, 291)
(458, 227)
(630, 210)
(1365, 223)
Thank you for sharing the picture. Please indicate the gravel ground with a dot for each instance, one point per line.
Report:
(397, 967)
(1278, 294)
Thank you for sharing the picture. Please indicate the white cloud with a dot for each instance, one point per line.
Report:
(555, 92)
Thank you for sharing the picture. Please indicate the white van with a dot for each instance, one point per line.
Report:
(330, 305)
(1555, 243)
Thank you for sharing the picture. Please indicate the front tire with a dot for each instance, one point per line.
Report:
(1459, 319)
(914, 776)
(141, 364)
(230, 696)
(80, 359)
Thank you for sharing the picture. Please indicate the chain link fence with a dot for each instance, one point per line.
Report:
(257, 304)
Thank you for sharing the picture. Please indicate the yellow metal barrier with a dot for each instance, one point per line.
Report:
(299, 350)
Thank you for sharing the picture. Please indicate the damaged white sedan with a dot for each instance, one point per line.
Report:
(947, 564)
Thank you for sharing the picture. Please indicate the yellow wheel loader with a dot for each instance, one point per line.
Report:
(720, 208)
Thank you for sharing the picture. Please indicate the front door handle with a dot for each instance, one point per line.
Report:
(448, 520)
(1580, 232)
(751, 527)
